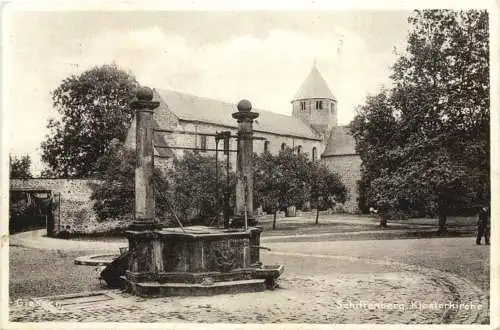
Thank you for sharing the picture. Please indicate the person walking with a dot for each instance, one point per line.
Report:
(483, 226)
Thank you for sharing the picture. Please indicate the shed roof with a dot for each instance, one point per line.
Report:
(340, 142)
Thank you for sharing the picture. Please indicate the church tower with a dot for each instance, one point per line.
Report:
(315, 104)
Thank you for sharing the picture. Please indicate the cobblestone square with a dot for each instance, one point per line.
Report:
(406, 281)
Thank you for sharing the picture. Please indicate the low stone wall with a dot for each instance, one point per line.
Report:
(72, 211)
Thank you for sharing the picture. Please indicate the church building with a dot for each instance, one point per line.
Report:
(312, 128)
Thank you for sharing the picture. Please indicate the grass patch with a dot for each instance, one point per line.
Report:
(37, 273)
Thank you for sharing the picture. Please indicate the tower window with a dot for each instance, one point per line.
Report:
(266, 146)
(302, 105)
(314, 152)
(203, 143)
(299, 149)
(332, 107)
(319, 105)
(283, 146)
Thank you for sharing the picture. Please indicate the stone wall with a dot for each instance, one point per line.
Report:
(73, 212)
(194, 141)
(349, 169)
(311, 116)
(165, 119)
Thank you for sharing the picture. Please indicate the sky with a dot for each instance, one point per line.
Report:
(262, 56)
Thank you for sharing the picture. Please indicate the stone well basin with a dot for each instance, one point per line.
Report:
(196, 255)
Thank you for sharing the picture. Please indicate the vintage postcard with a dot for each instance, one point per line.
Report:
(249, 165)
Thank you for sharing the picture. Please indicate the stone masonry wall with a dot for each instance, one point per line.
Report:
(274, 146)
(194, 141)
(74, 213)
(348, 167)
(310, 115)
(165, 119)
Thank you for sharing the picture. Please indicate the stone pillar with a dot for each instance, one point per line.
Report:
(244, 163)
(144, 191)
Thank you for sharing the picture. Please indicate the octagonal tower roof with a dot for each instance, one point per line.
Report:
(314, 87)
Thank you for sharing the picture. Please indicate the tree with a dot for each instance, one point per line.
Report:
(436, 182)
(20, 211)
(267, 183)
(194, 191)
(47, 173)
(296, 169)
(325, 184)
(19, 168)
(188, 193)
(94, 109)
(281, 181)
(439, 106)
(375, 130)
(115, 196)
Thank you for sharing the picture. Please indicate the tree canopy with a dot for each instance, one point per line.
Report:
(290, 179)
(94, 109)
(425, 141)
(20, 168)
(281, 180)
(114, 197)
(325, 184)
(194, 192)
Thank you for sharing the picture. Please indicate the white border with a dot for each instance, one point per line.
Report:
(240, 5)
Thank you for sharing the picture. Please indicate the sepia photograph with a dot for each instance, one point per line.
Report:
(293, 166)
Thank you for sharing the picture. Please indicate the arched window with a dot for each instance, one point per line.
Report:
(314, 154)
(283, 146)
(332, 107)
(203, 143)
(266, 146)
(319, 105)
(299, 149)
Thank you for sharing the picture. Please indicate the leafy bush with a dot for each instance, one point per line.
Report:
(194, 192)
(115, 196)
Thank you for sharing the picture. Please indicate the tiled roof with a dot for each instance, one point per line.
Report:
(314, 87)
(194, 108)
(340, 142)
